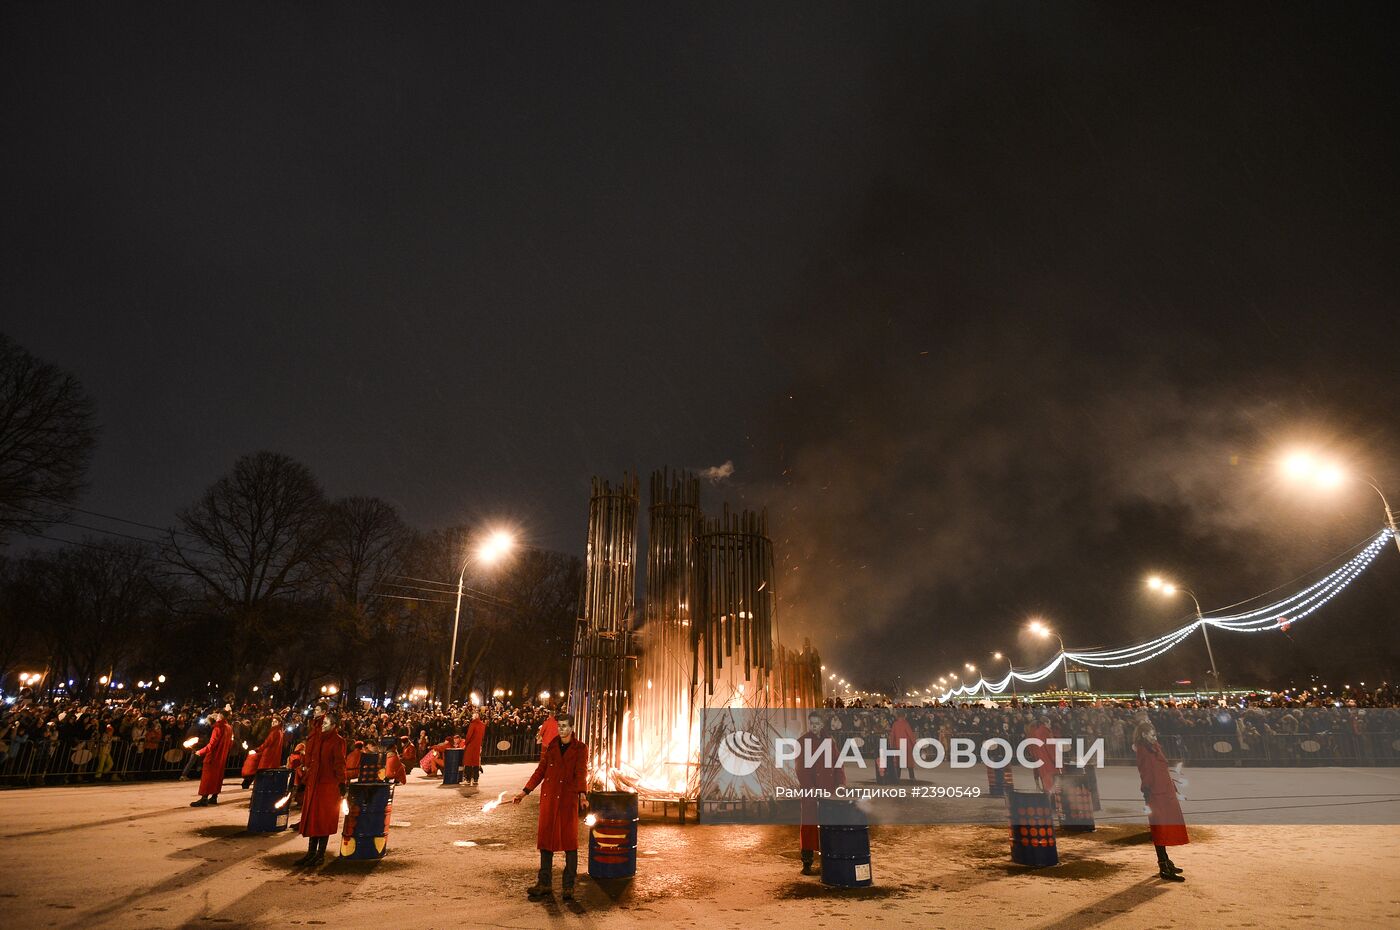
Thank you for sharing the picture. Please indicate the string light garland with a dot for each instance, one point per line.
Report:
(1280, 614)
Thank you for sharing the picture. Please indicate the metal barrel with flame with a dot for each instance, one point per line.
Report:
(369, 810)
(267, 811)
(612, 837)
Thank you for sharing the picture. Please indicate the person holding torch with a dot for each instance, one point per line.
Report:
(215, 754)
(563, 772)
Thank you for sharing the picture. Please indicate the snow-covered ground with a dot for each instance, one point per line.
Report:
(135, 855)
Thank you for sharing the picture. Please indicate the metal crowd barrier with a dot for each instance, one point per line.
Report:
(56, 762)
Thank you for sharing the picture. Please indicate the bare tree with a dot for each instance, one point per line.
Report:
(46, 440)
(366, 543)
(255, 533)
(90, 605)
(251, 541)
(365, 546)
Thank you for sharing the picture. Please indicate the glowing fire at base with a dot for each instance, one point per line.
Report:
(489, 806)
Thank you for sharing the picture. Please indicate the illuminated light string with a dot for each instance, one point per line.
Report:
(1277, 615)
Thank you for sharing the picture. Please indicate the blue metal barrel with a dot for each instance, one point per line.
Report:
(612, 840)
(371, 766)
(366, 831)
(1077, 803)
(269, 787)
(1032, 829)
(452, 766)
(845, 842)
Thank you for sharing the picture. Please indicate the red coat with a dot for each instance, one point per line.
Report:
(270, 750)
(563, 771)
(408, 754)
(476, 733)
(902, 739)
(211, 778)
(323, 774)
(549, 732)
(1165, 818)
(822, 773)
(1046, 754)
(395, 772)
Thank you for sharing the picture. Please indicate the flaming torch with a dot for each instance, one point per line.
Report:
(489, 806)
(590, 820)
(344, 807)
(190, 743)
(282, 801)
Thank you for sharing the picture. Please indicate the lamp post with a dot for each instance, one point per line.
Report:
(1169, 589)
(1010, 668)
(488, 553)
(1039, 628)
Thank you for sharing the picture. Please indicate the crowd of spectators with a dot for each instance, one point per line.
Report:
(1286, 726)
(65, 739)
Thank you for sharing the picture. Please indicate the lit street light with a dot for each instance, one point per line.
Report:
(1169, 589)
(1304, 466)
(1039, 628)
(495, 547)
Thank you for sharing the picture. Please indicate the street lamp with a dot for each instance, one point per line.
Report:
(1010, 668)
(1039, 628)
(491, 551)
(1169, 589)
(1304, 466)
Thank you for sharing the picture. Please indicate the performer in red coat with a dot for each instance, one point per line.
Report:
(563, 771)
(1164, 815)
(471, 759)
(408, 754)
(215, 753)
(549, 731)
(323, 773)
(901, 740)
(268, 754)
(1048, 771)
(820, 750)
(394, 772)
(270, 749)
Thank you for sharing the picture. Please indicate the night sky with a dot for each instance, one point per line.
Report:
(996, 307)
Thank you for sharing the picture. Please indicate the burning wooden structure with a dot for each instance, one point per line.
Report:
(708, 637)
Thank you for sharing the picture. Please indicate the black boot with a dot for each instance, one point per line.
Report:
(1165, 868)
(202, 802)
(570, 872)
(310, 854)
(545, 879)
(213, 799)
(808, 856)
(320, 856)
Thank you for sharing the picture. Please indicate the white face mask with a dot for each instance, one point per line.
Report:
(566, 731)
(325, 723)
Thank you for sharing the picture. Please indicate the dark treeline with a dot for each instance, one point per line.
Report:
(265, 575)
